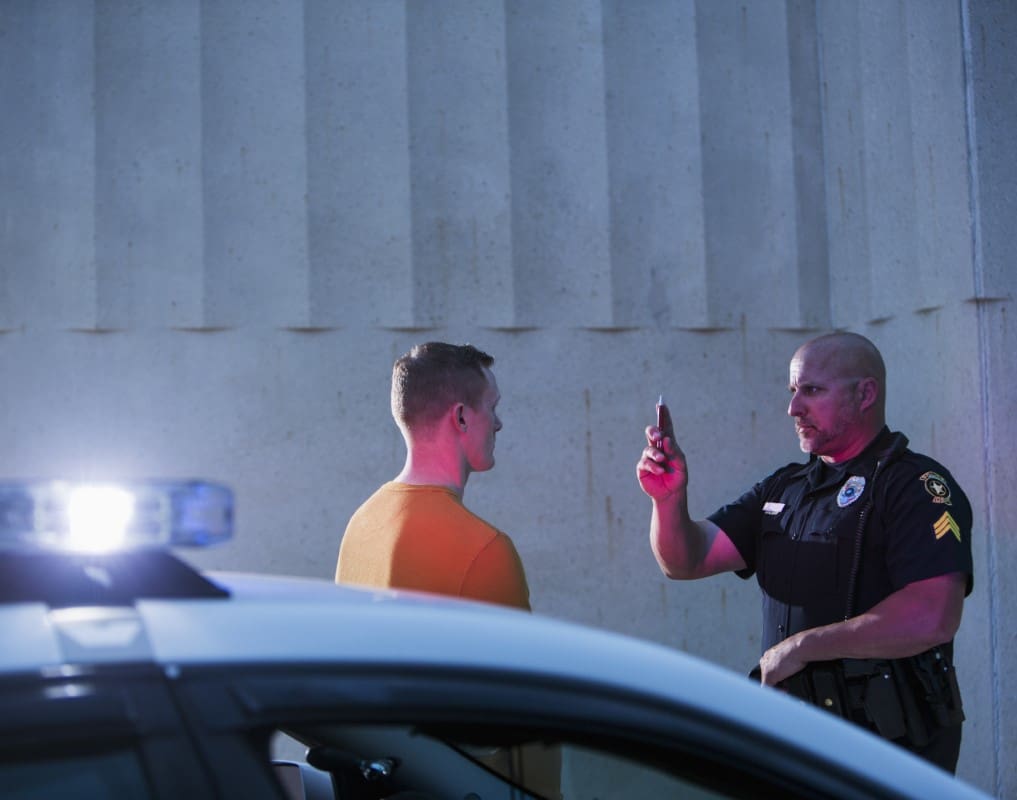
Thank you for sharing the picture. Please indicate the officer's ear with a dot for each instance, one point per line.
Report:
(868, 393)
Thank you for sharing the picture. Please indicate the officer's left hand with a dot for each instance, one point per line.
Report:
(781, 661)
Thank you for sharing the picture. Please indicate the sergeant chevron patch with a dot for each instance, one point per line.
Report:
(944, 525)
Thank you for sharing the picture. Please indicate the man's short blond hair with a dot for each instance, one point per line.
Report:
(433, 376)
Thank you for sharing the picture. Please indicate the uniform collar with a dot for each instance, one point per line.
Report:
(822, 475)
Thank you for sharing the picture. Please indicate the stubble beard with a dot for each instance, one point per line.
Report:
(814, 440)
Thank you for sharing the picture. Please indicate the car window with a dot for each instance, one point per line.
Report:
(459, 734)
(577, 772)
(117, 776)
(597, 775)
(400, 758)
(109, 731)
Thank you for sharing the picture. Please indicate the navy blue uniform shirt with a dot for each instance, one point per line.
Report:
(796, 530)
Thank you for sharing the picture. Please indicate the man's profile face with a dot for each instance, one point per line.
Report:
(824, 404)
(483, 424)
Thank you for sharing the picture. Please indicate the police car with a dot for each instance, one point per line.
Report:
(125, 673)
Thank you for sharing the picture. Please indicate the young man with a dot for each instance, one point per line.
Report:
(415, 532)
(863, 555)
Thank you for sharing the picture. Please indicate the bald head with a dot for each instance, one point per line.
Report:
(849, 356)
(838, 395)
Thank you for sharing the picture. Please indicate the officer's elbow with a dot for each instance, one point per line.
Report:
(945, 626)
(949, 618)
(935, 605)
(673, 569)
(678, 574)
(941, 626)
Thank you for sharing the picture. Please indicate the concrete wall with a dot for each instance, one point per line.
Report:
(990, 31)
(220, 223)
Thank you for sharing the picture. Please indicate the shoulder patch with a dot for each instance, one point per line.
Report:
(946, 524)
(937, 486)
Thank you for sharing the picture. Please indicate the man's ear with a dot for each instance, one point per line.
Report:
(868, 393)
(459, 416)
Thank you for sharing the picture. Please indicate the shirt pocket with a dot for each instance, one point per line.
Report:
(803, 569)
(828, 553)
(776, 559)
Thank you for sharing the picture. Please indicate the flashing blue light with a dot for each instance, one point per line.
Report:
(107, 517)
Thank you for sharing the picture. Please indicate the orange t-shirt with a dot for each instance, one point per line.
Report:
(424, 538)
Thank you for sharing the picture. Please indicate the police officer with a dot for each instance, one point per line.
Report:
(863, 554)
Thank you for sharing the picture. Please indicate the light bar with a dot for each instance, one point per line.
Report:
(107, 517)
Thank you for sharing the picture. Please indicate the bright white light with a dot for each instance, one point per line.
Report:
(113, 516)
(98, 517)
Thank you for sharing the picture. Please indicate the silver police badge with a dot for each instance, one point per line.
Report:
(851, 490)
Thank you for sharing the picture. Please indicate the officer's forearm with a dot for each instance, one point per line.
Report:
(686, 548)
(676, 541)
(909, 621)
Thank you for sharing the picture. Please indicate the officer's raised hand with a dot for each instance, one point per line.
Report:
(662, 470)
(684, 548)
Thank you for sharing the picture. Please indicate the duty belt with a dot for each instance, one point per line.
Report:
(902, 699)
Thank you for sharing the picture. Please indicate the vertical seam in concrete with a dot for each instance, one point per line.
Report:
(982, 323)
(510, 316)
(823, 129)
(413, 222)
(609, 182)
(821, 78)
(94, 314)
(511, 151)
(707, 319)
(203, 177)
(312, 318)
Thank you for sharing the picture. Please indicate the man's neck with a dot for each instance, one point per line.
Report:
(421, 470)
(856, 450)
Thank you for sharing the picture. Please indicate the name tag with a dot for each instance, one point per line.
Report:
(772, 508)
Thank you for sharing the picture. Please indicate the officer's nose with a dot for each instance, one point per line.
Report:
(794, 407)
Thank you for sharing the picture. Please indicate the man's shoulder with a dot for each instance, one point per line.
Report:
(915, 474)
(380, 496)
(791, 471)
(394, 500)
(479, 525)
(436, 501)
(911, 463)
(763, 490)
(395, 492)
(474, 534)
